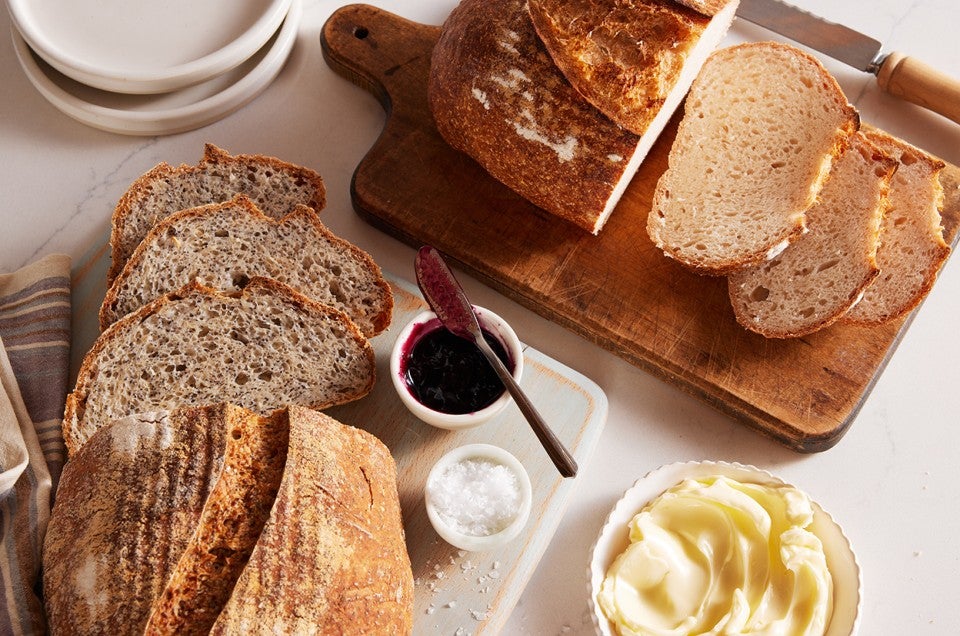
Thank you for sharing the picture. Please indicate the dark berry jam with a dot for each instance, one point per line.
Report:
(449, 374)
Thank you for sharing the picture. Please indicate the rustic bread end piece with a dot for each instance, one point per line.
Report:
(276, 186)
(496, 95)
(820, 276)
(632, 59)
(223, 245)
(762, 124)
(912, 249)
(261, 349)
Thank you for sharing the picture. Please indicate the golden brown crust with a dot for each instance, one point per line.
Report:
(212, 155)
(380, 321)
(623, 56)
(76, 400)
(348, 571)
(497, 96)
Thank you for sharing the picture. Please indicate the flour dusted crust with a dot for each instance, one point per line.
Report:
(223, 245)
(496, 95)
(912, 249)
(274, 185)
(331, 558)
(626, 57)
(817, 279)
(263, 348)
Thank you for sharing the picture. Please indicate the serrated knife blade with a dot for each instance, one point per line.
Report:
(898, 74)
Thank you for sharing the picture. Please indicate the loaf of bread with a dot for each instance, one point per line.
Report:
(762, 124)
(497, 96)
(263, 348)
(816, 280)
(217, 518)
(632, 59)
(912, 249)
(130, 504)
(331, 558)
(223, 245)
(276, 187)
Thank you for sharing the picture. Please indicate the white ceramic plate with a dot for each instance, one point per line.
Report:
(146, 47)
(614, 538)
(167, 113)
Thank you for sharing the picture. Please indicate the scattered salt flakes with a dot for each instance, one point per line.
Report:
(494, 574)
(481, 579)
(566, 629)
(436, 566)
(460, 632)
(461, 553)
(466, 566)
(431, 609)
(479, 615)
(917, 553)
(451, 604)
(496, 565)
(439, 574)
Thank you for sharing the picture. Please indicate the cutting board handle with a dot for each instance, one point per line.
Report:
(918, 82)
(377, 50)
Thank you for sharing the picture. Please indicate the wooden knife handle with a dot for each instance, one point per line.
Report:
(920, 83)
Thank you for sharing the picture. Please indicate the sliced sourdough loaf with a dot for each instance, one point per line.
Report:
(143, 492)
(632, 59)
(223, 245)
(331, 558)
(762, 125)
(497, 96)
(818, 278)
(263, 348)
(275, 186)
(912, 249)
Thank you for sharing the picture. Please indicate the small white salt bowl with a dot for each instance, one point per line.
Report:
(425, 323)
(613, 539)
(446, 485)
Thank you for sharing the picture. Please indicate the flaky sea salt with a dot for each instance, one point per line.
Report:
(476, 497)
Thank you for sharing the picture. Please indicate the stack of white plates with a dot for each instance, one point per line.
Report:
(152, 68)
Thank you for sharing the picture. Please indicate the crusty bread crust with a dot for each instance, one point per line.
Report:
(354, 373)
(331, 558)
(131, 221)
(750, 157)
(622, 56)
(497, 96)
(367, 299)
(912, 248)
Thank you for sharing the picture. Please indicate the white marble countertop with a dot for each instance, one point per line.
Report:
(892, 481)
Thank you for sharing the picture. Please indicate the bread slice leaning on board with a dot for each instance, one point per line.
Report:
(223, 245)
(497, 95)
(276, 187)
(762, 125)
(263, 348)
(165, 520)
(633, 60)
(912, 249)
(816, 280)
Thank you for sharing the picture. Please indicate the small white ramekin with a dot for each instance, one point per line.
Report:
(424, 323)
(493, 454)
(614, 538)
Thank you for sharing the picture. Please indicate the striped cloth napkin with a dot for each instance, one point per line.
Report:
(34, 368)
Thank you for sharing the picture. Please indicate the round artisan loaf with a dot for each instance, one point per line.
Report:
(816, 280)
(223, 245)
(276, 186)
(262, 349)
(762, 124)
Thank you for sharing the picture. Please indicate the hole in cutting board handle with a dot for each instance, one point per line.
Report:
(361, 32)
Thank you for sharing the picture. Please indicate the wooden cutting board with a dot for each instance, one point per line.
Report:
(454, 590)
(616, 289)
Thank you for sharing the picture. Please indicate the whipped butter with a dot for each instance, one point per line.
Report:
(717, 556)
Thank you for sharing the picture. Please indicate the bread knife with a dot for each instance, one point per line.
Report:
(897, 74)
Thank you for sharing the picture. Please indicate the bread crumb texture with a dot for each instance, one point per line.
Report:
(762, 124)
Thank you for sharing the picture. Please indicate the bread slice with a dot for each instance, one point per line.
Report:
(762, 124)
(331, 558)
(497, 96)
(632, 59)
(818, 278)
(912, 249)
(275, 186)
(263, 348)
(223, 245)
(141, 493)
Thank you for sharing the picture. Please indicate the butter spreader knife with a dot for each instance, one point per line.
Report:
(897, 74)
